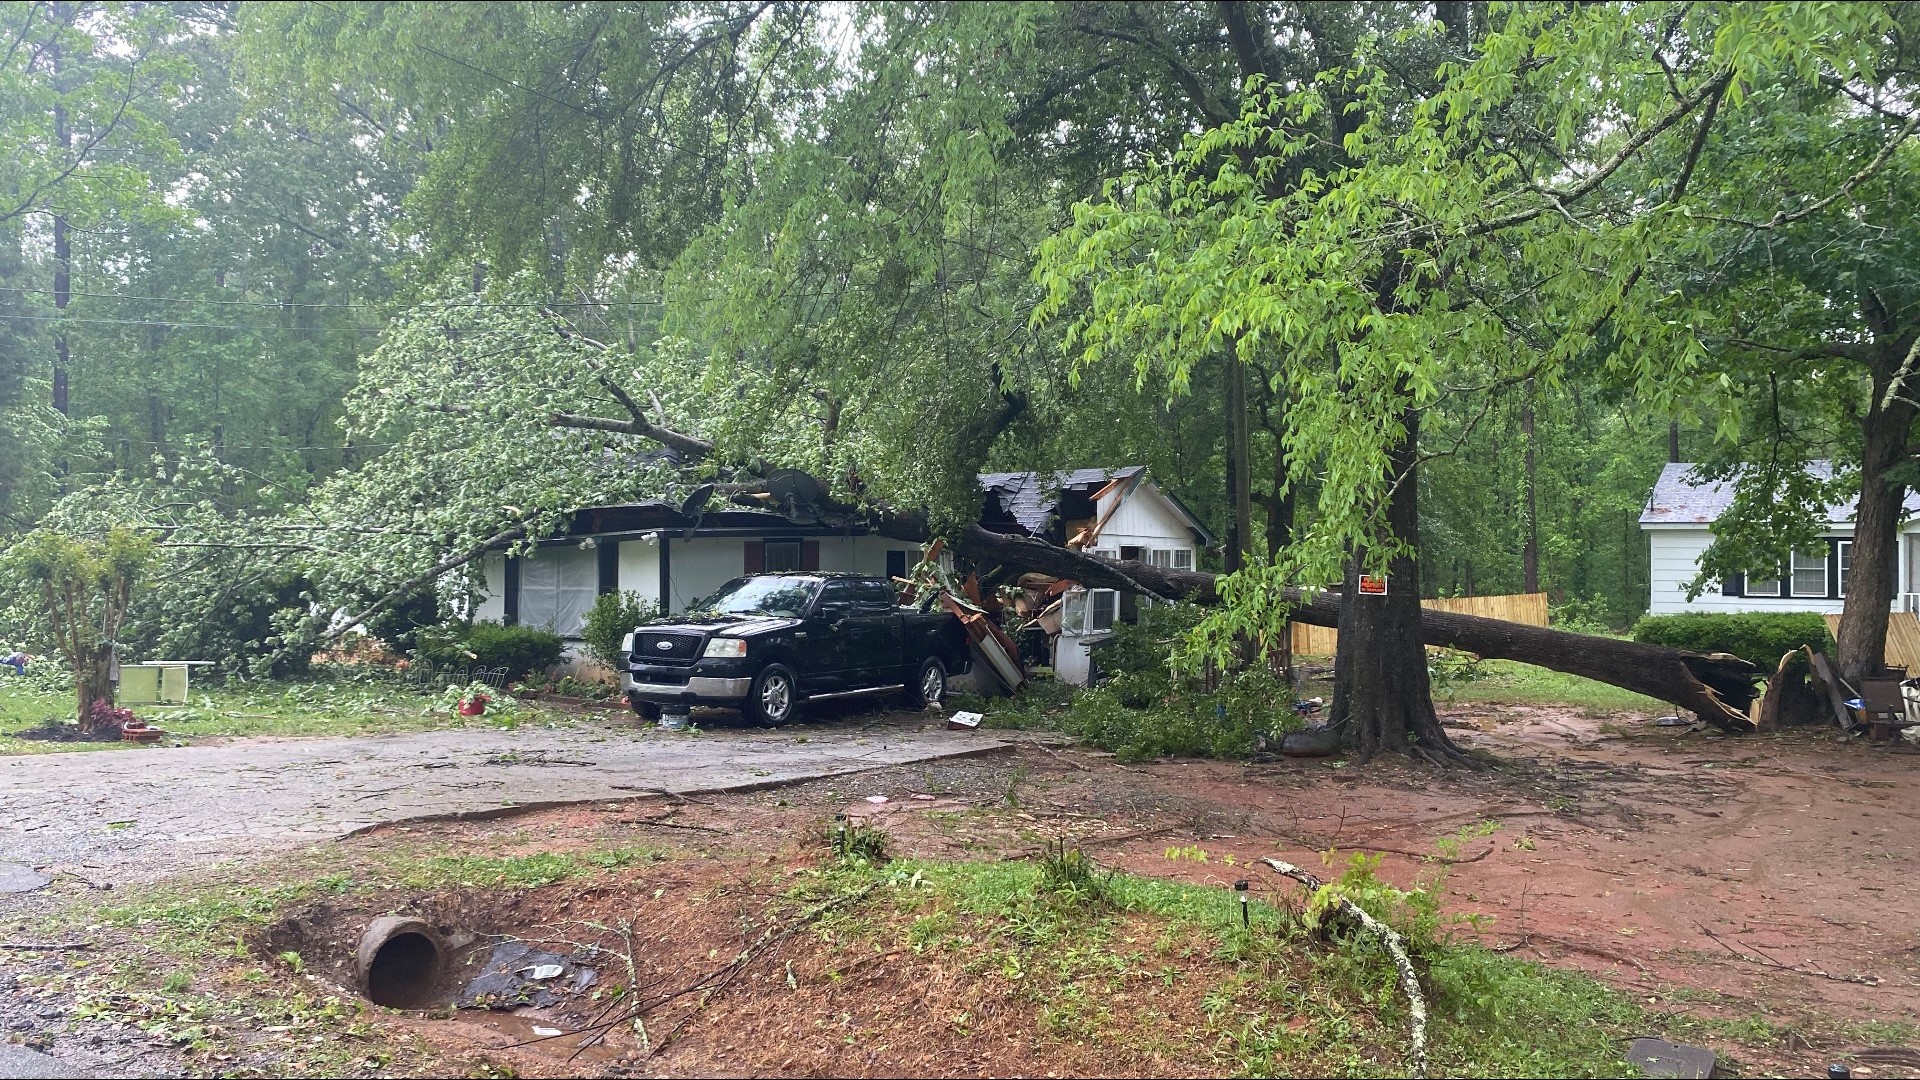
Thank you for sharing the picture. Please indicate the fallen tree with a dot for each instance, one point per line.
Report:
(1718, 687)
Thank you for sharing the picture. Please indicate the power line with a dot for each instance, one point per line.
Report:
(278, 305)
(170, 324)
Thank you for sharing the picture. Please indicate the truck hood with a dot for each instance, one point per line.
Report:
(731, 625)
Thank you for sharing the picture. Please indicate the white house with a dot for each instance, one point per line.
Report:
(669, 558)
(1677, 520)
(1118, 513)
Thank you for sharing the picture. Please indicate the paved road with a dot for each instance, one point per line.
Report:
(135, 814)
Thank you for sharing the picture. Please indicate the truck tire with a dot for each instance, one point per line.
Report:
(774, 696)
(929, 687)
(645, 710)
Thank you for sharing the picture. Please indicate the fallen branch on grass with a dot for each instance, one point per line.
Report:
(1396, 947)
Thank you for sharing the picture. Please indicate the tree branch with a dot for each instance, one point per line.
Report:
(1557, 199)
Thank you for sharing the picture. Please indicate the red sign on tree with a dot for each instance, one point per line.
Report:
(1372, 586)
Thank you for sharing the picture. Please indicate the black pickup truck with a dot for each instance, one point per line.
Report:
(766, 643)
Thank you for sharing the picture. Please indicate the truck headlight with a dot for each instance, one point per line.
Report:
(626, 643)
(726, 647)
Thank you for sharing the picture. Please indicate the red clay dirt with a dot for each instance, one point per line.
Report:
(1724, 877)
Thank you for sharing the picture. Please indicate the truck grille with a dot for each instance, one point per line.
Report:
(666, 648)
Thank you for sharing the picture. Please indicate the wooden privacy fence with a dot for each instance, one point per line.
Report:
(1903, 639)
(1528, 608)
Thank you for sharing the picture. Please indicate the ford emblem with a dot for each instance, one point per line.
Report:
(665, 646)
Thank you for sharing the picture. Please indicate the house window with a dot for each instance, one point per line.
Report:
(1809, 573)
(1159, 557)
(1846, 563)
(1762, 586)
(783, 555)
(1103, 607)
(1183, 558)
(1073, 612)
(557, 588)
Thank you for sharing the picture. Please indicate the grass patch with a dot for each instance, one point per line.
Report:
(1162, 967)
(284, 709)
(1510, 683)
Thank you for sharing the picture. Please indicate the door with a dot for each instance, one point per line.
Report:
(872, 636)
(826, 653)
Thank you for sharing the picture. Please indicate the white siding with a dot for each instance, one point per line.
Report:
(1674, 558)
(698, 566)
(863, 554)
(493, 601)
(1147, 520)
(640, 569)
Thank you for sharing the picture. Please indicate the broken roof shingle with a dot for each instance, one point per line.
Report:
(1030, 498)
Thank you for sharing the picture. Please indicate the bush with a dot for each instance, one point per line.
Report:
(1249, 708)
(1759, 637)
(519, 649)
(613, 616)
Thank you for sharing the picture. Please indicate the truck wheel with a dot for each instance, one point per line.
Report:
(930, 685)
(774, 698)
(645, 710)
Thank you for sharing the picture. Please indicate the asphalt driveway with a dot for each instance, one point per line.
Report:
(131, 815)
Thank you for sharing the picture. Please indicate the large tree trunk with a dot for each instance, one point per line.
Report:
(1873, 580)
(1382, 699)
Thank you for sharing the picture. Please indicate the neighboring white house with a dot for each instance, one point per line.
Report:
(1678, 519)
(667, 558)
(1117, 513)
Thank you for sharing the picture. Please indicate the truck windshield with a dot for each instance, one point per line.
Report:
(784, 596)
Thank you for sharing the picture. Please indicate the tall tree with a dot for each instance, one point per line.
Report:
(1395, 267)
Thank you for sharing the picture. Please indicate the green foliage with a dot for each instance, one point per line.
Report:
(1578, 616)
(1761, 638)
(519, 649)
(1448, 669)
(1145, 709)
(612, 617)
(1069, 876)
(1249, 710)
(857, 844)
(84, 586)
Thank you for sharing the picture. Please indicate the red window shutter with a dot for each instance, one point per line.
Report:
(809, 554)
(756, 556)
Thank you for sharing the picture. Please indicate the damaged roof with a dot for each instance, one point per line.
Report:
(1030, 498)
(1680, 498)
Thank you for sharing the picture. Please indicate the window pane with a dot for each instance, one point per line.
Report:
(1809, 573)
(783, 555)
(1073, 613)
(1159, 557)
(1103, 606)
(557, 587)
(1183, 559)
(1759, 586)
(1846, 564)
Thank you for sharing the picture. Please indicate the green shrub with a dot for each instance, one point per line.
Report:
(1758, 637)
(1231, 722)
(611, 618)
(519, 649)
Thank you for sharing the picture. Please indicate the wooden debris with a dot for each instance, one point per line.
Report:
(1837, 690)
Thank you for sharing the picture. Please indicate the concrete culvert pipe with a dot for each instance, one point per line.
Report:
(400, 962)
